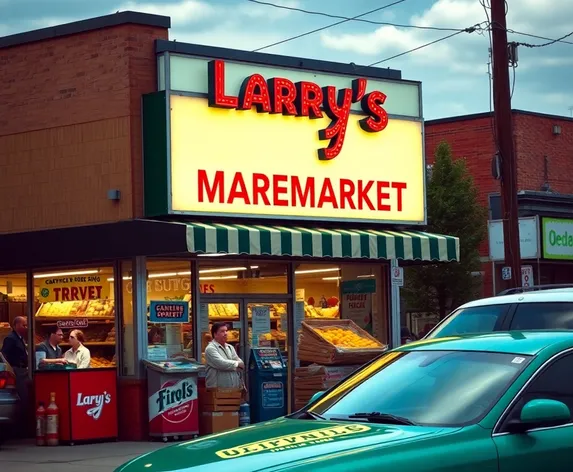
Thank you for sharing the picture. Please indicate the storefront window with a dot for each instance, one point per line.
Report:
(343, 291)
(75, 305)
(241, 277)
(13, 298)
(170, 332)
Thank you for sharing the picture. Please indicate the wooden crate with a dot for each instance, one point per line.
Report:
(220, 399)
(313, 347)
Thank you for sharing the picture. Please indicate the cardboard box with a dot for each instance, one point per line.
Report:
(217, 421)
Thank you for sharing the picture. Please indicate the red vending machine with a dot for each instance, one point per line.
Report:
(173, 400)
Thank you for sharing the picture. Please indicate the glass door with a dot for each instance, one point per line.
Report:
(224, 311)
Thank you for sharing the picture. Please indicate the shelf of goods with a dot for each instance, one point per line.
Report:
(315, 312)
(229, 312)
(100, 336)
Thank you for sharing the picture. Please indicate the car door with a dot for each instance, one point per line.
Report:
(543, 449)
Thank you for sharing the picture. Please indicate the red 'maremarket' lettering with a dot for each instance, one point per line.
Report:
(309, 192)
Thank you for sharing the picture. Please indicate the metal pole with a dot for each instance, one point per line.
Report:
(504, 141)
(395, 326)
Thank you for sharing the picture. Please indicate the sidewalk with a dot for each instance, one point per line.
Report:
(25, 456)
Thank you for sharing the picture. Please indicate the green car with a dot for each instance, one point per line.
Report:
(497, 402)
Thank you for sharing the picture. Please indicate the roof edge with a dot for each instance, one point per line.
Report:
(277, 60)
(488, 114)
(83, 26)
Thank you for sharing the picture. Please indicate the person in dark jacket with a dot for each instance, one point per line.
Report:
(15, 351)
(14, 347)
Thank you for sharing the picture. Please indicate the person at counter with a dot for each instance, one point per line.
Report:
(49, 351)
(78, 354)
(223, 365)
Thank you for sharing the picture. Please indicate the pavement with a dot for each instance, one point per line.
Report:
(25, 456)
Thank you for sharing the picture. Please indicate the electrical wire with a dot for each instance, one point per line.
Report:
(551, 42)
(362, 20)
(419, 47)
(560, 40)
(328, 26)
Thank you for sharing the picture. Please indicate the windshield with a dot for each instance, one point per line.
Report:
(445, 388)
(479, 319)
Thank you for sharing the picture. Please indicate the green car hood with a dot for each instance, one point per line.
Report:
(276, 445)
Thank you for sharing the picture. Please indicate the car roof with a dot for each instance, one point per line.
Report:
(540, 296)
(511, 342)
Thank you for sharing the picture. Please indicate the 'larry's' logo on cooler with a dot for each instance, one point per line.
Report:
(96, 402)
(303, 99)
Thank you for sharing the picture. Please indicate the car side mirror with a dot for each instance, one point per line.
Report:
(541, 413)
(315, 397)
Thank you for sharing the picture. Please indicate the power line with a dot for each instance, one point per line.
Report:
(552, 41)
(328, 26)
(471, 29)
(371, 22)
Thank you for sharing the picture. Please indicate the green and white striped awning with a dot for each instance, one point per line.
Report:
(262, 240)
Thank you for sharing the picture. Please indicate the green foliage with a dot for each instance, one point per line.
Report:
(453, 209)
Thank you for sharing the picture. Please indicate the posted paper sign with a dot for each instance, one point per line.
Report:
(357, 302)
(261, 322)
(169, 312)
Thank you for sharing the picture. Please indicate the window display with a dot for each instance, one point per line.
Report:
(79, 299)
(12, 301)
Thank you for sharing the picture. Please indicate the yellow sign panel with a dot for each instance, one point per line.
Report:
(291, 441)
(227, 161)
(72, 288)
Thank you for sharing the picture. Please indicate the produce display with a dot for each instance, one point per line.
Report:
(336, 342)
(346, 338)
(88, 308)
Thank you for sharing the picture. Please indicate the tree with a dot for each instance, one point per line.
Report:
(453, 209)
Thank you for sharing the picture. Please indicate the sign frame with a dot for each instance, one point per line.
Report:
(156, 118)
(545, 222)
(155, 304)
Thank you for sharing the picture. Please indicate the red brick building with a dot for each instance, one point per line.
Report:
(544, 148)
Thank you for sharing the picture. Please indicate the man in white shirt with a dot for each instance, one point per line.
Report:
(223, 366)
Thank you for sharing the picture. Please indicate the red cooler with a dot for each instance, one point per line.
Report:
(173, 398)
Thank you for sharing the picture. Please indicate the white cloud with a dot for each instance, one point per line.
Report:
(185, 11)
(254, 10)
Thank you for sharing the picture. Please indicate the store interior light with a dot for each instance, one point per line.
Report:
(365, 276)
(62, 274)
(124, 278)
(164, 274)
(226, 269)
(317, 271)
(331, 278)
(220, 277)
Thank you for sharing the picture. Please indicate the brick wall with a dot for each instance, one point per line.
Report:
(70, 127)
(534, 141)
(472, 138)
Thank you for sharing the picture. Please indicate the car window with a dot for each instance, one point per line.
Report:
(555, 382)
(445, 388)
(555, 315)
(480, 319)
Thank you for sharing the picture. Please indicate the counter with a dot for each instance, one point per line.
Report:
(87, 402)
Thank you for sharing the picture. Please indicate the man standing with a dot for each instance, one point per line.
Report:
(49, 351)
(15, 351)
(223, 365)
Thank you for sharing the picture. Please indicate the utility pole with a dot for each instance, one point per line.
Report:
(504, 137)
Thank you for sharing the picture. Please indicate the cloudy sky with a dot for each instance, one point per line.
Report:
(454, 72)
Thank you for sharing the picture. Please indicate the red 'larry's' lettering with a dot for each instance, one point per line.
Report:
(304, 99)
(293, 191)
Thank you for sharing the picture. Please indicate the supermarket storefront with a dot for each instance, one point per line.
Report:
(265, 185)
